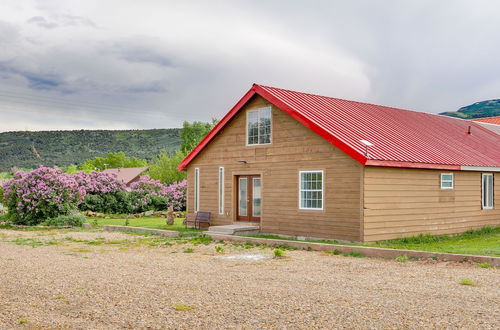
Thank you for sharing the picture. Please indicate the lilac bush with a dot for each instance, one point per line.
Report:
(32, 197)
(149, 194)
(176, 195)
(104, 192)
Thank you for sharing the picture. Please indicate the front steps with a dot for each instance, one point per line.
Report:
(236, 229)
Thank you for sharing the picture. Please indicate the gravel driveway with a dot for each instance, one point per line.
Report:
(114, 280)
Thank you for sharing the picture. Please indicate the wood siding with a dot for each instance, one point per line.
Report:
(407, 202)
(293, 148)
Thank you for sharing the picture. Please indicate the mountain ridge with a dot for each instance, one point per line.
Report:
(29, 149)
(488, 108)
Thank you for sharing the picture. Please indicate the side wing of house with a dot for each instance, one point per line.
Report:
(406, 202)
(328, 205)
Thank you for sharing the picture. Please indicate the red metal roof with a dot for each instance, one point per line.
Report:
(489, 120)
(400, 138)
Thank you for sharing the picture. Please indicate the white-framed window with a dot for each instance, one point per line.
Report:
(196, 189)
(221, 190)
(487, 191)
(311, 190)
(446, 180)
(259, 126)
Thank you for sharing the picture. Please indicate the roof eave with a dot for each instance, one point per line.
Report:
(217, 128)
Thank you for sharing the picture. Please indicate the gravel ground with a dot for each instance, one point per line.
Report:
(128, 281)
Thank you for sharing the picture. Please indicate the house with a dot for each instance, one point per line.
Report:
(127, 175)
(307, 165)
(491, 123)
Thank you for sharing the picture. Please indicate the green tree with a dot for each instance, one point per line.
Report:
(193, 133)
(112, 160)
(164, 167)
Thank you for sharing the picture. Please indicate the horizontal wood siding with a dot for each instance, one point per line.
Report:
(293, 148)
(407, 202)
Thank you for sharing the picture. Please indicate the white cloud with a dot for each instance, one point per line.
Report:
(156, 63)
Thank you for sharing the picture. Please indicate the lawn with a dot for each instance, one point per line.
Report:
(147, 222)
(485, 241)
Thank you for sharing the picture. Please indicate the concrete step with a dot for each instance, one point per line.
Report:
(233, 230)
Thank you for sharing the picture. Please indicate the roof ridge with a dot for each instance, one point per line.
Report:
(358, 102)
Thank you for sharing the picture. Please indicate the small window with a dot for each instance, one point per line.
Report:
(446, 180)
(259, 126)
(196, 189)
(487, 191)
(311, 190)
(221, 190)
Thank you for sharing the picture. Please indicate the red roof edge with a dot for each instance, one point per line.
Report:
(391, 163)
(220, 125)
(312, 126)
(256, 89)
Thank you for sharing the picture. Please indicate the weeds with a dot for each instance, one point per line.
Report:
(34, 242)
(202, 239)
(184, 308)
(219, 249)
(355, 254)
(279, 253)
(189, 250)
(466, 281)
(402, 258)
(484, 265)
(335, 252)
(23, 320)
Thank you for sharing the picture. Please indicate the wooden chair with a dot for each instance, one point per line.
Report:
(202, 218)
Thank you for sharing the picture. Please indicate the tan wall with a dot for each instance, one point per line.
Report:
(406, 202)
(293, 148)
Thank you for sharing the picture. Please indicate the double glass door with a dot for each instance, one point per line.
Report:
(249, 197)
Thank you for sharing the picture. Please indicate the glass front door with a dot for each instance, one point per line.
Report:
(249, 197)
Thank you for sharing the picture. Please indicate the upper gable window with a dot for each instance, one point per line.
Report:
(259, 126)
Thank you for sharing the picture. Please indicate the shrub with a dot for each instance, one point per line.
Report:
(103, 193)
(41, 194)
(148, 194)
(176, 195)
(75, 220)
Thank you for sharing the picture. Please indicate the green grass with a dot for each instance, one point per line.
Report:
(146, 222)
(485, 241)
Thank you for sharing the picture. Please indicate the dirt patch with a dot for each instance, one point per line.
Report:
(132, 281)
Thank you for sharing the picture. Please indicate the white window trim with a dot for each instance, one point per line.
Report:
(322, 190)
(270, 137)
(485, 207)
(452, 181)
(196, 189)
(221, 190)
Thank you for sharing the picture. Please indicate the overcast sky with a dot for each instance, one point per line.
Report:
(117, 64)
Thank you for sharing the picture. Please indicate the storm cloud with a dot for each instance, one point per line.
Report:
(152, 64)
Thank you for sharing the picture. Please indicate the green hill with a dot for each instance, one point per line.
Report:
(482, 109)
(62, 148)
